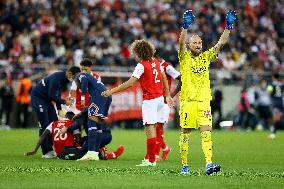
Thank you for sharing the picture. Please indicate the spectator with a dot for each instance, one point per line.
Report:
(23, 101)
(104, 29)
(7, 97)
(217, 107)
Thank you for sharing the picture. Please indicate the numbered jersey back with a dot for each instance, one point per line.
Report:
(58, 140)
(151, 80)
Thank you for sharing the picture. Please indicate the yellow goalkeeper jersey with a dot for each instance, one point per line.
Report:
(195, 75)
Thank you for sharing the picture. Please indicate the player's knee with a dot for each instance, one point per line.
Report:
(185, 130)
(205, 128)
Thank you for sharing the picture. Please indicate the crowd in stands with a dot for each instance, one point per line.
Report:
(61, 32)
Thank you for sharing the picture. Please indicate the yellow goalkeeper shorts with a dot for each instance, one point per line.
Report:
(194, 114)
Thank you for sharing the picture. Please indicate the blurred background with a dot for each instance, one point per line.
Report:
(38, 37)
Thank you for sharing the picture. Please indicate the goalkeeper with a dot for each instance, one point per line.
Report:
(195, 96)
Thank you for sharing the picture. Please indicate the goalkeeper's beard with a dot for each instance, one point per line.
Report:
(195, 52)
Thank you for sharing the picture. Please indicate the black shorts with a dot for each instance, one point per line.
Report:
(264, 112)
(71, 153)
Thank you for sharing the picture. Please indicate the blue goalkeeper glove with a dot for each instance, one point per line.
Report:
(188, 19)
(230, 19)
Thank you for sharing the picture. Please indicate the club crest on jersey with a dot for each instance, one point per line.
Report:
(153, 65)
(207, 114)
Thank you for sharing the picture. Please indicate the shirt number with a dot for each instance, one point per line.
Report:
(58, 136)
(155, 72)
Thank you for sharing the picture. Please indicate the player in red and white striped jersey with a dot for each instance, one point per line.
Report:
(153, 82)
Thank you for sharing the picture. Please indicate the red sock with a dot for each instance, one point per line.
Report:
(151, 146)
(110, 155)
(160, 137)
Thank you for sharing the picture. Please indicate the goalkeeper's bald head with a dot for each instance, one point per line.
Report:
(195, 44)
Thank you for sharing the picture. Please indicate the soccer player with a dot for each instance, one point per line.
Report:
(276, 90)
(195, 96)
(82, 118)
(106, 137)
(85, 67)
(59, 140)
(153, 81)
(171, 74)
(97, 111)
(46, 91)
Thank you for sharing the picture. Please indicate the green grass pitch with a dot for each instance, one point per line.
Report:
(248, 159)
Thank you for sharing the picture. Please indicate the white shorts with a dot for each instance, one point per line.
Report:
(166, 114)
(153, 110)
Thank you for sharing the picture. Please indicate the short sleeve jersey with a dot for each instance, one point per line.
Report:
(170, 72)
(79, 93)
(59, 140)
(150, 78)
(195, 75)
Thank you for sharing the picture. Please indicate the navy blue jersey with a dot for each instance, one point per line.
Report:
(87, 83)
(50, 88)
(277, 94)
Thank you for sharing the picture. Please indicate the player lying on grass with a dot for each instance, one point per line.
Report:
(46, 91)
(195, 96)
(153, 82)
(97, 112)
(106, 137)
(59, 140)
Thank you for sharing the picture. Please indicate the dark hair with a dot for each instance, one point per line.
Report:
(276, 75)
(74, 70)
(69, 115)
(143, 49)
(86, 62)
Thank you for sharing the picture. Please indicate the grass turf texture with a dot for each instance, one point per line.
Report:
(248, 159)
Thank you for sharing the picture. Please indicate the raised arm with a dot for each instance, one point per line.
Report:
(182, 38)
(230, 19)
(188, 19)
(123, 86)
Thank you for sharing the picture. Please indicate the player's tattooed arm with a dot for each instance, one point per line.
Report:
(39, 143)
(123, 86)
(177, 89)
